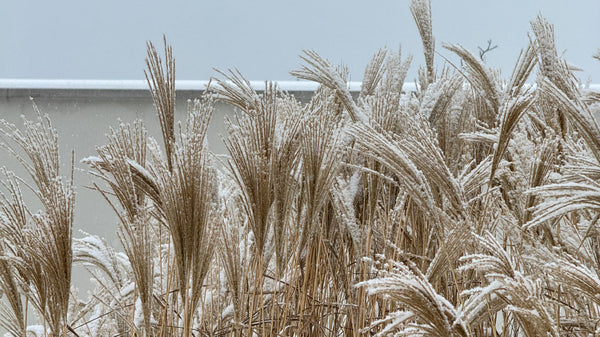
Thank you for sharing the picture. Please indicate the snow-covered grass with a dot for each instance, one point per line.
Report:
(465, 206)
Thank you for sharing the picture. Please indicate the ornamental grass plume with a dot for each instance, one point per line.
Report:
(467, 207)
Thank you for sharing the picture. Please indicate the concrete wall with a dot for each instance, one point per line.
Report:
(82, 119)
(83, 116)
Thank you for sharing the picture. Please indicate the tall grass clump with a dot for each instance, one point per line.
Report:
(468, 207)
(36, 246)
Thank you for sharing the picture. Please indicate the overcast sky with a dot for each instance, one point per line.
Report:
(86, 39)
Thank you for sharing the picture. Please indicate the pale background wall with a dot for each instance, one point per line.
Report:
(82, 119)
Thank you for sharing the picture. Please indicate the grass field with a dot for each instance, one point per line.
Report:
(467, 208)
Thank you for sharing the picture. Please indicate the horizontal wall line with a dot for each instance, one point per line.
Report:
(142, 85)
(189, 85)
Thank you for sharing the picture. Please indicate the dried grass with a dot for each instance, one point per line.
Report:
(468, 208)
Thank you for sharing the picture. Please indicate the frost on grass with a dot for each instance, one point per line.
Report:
(469, 207)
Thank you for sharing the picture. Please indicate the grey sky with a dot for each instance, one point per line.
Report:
(85, 39)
